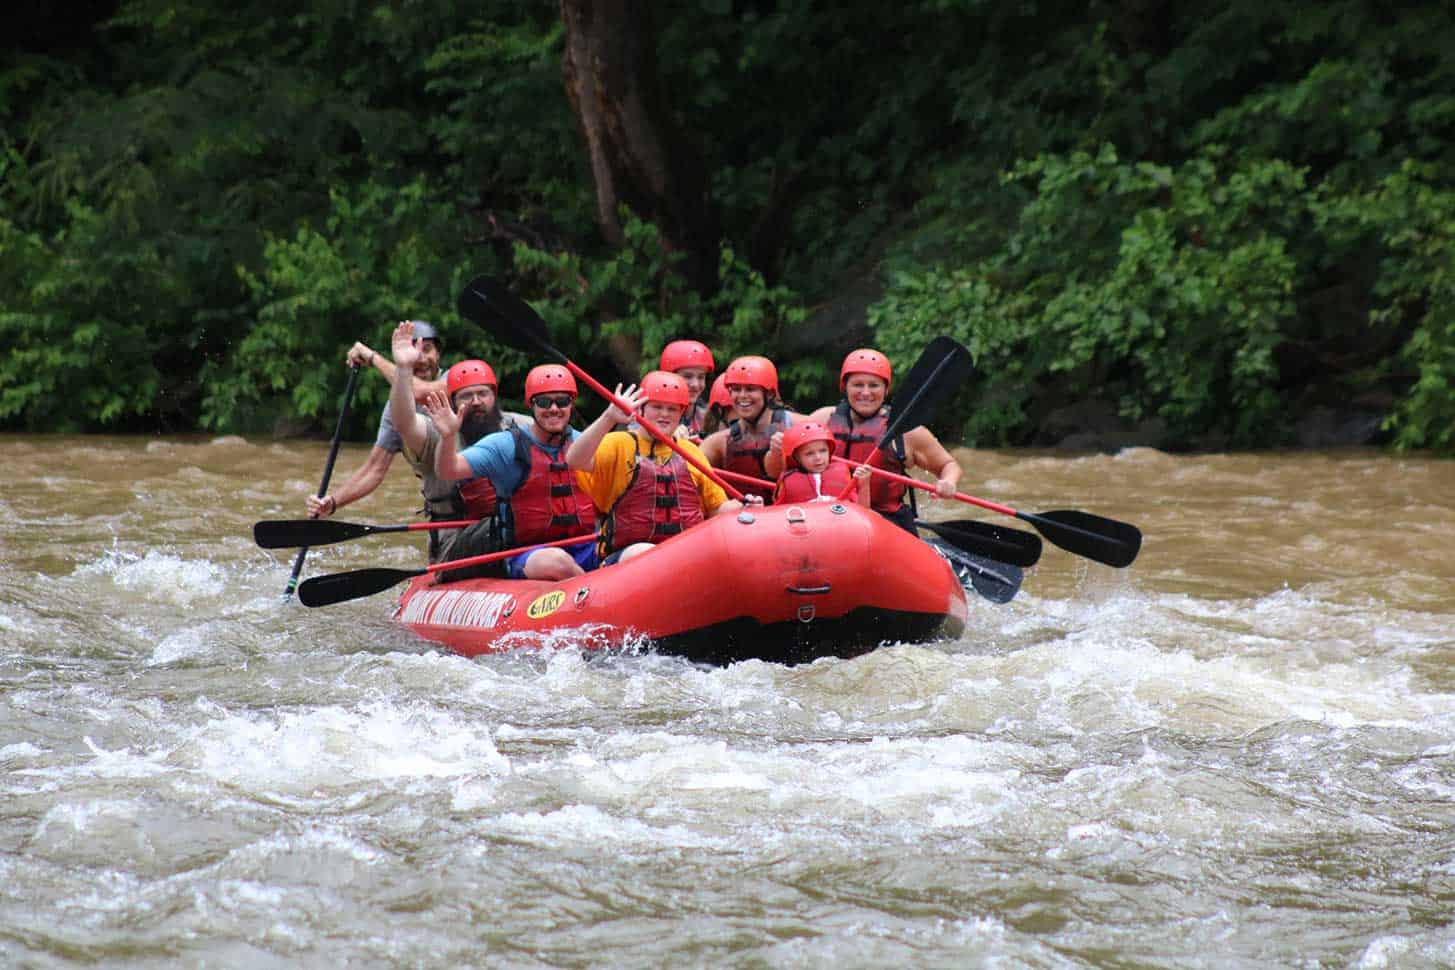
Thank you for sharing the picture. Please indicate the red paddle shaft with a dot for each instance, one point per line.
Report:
(745, 479)
(926, 486)
(442, 567)
(457, 524)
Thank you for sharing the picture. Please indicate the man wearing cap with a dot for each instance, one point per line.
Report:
(471, 386)
(387, 442)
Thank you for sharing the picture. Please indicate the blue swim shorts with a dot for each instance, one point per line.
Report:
(583, 552)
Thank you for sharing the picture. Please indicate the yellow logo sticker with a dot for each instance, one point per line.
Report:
(545, 605)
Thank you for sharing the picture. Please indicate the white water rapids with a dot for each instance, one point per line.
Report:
(1240, 752)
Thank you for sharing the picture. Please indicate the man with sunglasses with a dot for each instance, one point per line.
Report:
(540, 499)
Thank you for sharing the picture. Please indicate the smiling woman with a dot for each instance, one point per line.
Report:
(756, 416)
(859, 423)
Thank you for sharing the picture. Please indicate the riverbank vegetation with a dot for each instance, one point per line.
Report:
(1198, 225)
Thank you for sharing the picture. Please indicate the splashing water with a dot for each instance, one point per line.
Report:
(1239, 752)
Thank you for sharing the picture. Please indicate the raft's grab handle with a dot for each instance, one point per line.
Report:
(810, 590)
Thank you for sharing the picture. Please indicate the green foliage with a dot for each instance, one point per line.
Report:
(384, 254)
(1246, 217)
(229, 197)
(76, 329)
(507, 133)
(1209, 216)
(1161, 291)
(1409, 217)
(631, 296)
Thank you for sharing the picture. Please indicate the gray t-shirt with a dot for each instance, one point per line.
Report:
(388, 437)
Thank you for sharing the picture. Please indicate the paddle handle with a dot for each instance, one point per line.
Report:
(338, 433)
(444, 567)
(746, 479)
(927, 487)
(664, 438)
(873, 456)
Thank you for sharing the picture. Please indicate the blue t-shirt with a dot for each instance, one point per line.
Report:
(493, 457)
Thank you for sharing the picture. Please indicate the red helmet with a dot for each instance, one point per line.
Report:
(865, 361)
(547, 378)
(664, 387)
(687, 353)
(468, 373)
(753, 370)
(798, 435)
(719, 397)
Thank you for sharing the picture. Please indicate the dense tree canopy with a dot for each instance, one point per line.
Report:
(1206, 220)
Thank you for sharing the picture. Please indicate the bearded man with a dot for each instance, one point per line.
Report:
(471, 386)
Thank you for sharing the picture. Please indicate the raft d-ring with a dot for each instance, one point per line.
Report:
(795, 514)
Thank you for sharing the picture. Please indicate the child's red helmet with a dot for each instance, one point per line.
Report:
(719, 397)
(798, 435)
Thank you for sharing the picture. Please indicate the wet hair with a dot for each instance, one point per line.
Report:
(715, 420)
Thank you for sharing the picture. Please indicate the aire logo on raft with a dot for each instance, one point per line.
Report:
(457, 607)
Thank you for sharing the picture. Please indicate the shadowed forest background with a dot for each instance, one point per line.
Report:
(1201, 225)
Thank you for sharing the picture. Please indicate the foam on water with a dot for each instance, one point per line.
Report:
(299, 754)
(1236, 752)
(159, 576)
(15, 624)
(215, 642)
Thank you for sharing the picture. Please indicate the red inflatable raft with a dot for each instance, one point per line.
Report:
(786, 584)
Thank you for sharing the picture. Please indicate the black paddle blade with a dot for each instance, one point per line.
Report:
(996, 581)
(940, 370)
(288, 533)
(1093, 536)
(490, 303)
(991, 541)
(340, 587)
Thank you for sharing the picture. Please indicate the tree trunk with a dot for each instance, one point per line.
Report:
(638, 157)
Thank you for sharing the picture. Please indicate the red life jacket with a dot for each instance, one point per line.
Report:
(548, 504)
(478, 497)
(797, 485)
(855, 440)
(660, 501)
(746, 448)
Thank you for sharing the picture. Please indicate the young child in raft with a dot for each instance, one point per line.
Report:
(809, 472)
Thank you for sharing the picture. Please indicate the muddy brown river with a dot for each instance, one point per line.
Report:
(1240, 752)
